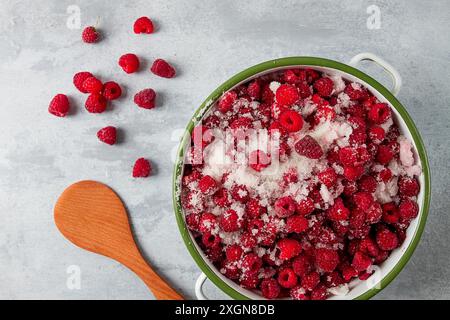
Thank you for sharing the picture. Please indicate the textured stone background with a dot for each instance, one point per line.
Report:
(208, 41)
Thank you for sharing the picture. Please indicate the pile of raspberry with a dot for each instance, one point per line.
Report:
(357, 204)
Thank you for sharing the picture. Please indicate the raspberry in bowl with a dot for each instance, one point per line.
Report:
(304, 180)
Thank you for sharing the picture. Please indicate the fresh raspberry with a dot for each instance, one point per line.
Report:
(320, 292)
(302, 265)
(234, 252)
(348, 273)
(259, 160)
(143, 25)
(391, 214)
(240, 125)
(291, 121)
(163, 69)
(353, 173)
(297, 224)
(210, 240)
(108, 135)
(285, 207)
(379, 113)
(369, 247)
(59, 106)
(361, 262)
(230, 222)
(377, 134)
(310, 281)
(408, 210)
(408, 187)
(248, 241)
(381, 257)
(112, 90)
(338, 212)
(254, 209)
(287, 278)
(142, 168)
(207, 185)
(324, 113)
(92, 85)
(328, 177)
(254, 90)
(289, 248)
(287, 95)
(193, 199)
(270, 289)
(226, 101)
(348, 156)
(208, 222)
(305, 207)
(129, 63)
(308, 147)
(276, 128)
(96, 103)
(221, 198)
(357, 122)
(384, 155)
(251, 264)
(240, 193)
(298, 293)
(363, 200)
(386, 239)
(250, 282)
(214, 254)
(267, 95)
(290, 76)
(367, 184)
(304, 90)
(326, 259)
(145, 99)
(230, 270)
(324, 86)
(90, 35)
(79, 78)
(374, 214)
(358, 137)
(365, 275)
(192, 221)
(355, 92)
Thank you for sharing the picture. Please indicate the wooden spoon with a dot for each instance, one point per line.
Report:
(93, 217)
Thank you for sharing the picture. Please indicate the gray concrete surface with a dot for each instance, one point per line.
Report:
(208, 41)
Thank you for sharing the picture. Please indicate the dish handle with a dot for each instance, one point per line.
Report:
(199, 287)
(396, 78)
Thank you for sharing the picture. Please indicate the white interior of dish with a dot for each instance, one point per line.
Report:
(357, 287)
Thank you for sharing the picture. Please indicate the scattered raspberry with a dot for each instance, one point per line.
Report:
(324, 86)
(289, 248)
(259, 160)
(92, 85)
(327, 259)
(143, 25)
(129, 63)
(386, 239)
(379, 113)
(287, 95)
(308, 147)
(285, 207)
(328, 177)
(297, 224)
(230, 222)
(108, 135)
(90, 35)
(79, 78)
(310, 281)
(59, 106)
(287, 278)
(145, 99)
(408, 210)
(291, 121)
(142, 168)
(270, 289)
(96, 103)
(112, 90)
(163, 69)
(408, 187)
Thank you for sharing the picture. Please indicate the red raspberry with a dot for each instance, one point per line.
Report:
(108, 135)
(290, 176)
(302, 265)
(379, 113)
(276, 127)
(195, 176)
(386, 239)
(290, 76)
(320, 292)
(308, 147)
(384, 155)
(143, 25)
(230, 270)
(325, 113)
(248, 241)
(385, 175)
(234, 252)
(305, 207)
(287, 95)
(221, 198)
(270, 289)
(324, 86)
(251, 264)
(193, 199)
(374, 214)
(369, 247)
(408, 187)
(214, 254)
(208, 222)
(297, 224)
(254, 209)
(310, 281)
(367, 184)
(348, 273)
(112, 90)
(142, 168)
(357, 122)
(163, 69)
(304, 90)
(328, 177)
(289, 248)
(90, 35)
(377, 134)
(291, 121)
(287, 278)
(240, 193)
(210, 240)
(361, 262)
(92, 85)
(259, 160)
(354, 93)
(207, 185)
(129, 63)
(285, 207)
(298, 293)
(348, 156)
(226, 101)
(96, 103)
(408, 210)
(254, 90)
(230, 222)
(338, 212)
(353, 173)
(145, 99)
(363, 200)
(326, 259)
(59, 106)
(381, 257)
(390, 213)
(358, 137)
(249, 281)
(79, 78)
(192, 221)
